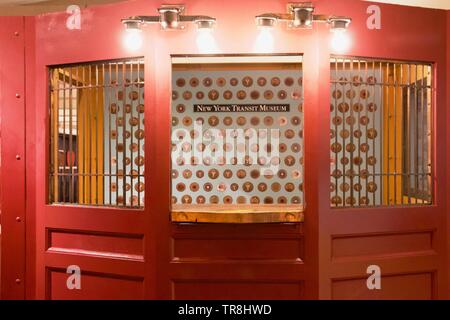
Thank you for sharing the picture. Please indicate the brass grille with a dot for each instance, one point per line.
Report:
(97, 134)
(381, 133)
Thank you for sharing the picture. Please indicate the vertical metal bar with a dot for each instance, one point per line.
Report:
(76, 159)
(416, 137)
(110, 89)
(388, 134)
(82, 143)
(373, 120)
(431, 138)
(139, 126)
(378, 84)
(402, 155)
(408, 133)
(335, 139)
(102, 107)
(89, 125)
(124, 125)
(117, 87)
(96, 109)
(70, 138)
(423, 136)
(395, 133)
(351, 127)
(64, 177)
(382, 133)
(131, 136)
(359, 128)
(54, 109)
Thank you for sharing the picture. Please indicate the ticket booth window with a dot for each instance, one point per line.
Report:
(381, 133)
(237, 139)
(97, 134)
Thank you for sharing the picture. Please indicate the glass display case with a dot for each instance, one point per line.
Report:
(237, 139)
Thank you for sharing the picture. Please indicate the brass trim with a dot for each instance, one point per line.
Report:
(230, 214)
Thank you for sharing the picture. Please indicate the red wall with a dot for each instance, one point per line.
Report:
(407, 34)
(448, 135)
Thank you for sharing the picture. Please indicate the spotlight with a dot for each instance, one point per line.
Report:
(133, 34)
(205, 23)
(266, 21)
(339, 24)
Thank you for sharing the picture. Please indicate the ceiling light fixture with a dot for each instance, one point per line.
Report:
(170, 17)
(300, 15)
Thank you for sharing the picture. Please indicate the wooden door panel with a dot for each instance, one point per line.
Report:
(227, 289)
(94, 286)
(382, 244)
(418, 286)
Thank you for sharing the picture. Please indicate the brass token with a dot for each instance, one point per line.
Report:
(213, 94)
(114, 108)
(199, 95)
(187, 95)
(337, 94)
(139, 161)
(268, 200)
(350, 94)
(261, 81)
(180, 82)
(275, 81)
(133, 95)
(247, 81)
(221, 82)
(194, 187)
(241, 94)
(228, 95)
(254, 94)
(207, 82)
(140, 109)
(289, 81)
(268, 121)
(194, 82)
(337, 120)
(268, 95)
(282, 94)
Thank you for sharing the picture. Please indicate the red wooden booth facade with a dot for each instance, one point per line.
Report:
(140, 254)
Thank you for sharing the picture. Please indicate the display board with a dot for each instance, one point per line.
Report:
(237, 136)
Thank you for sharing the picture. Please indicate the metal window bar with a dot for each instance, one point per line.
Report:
(97, 134)
(381, 132)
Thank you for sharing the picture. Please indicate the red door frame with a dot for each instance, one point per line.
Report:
(407, 34)
(13, 156)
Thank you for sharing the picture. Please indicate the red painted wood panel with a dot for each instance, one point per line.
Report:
(30, 142)
(13, 156)
(448, 141)
(398, 243)
(401, 37)
(420, 287)
(198, 290)
(94, 286)
(101, 244)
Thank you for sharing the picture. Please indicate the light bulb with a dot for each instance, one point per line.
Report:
(133, 39)
(340, 41)
(264, 40)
